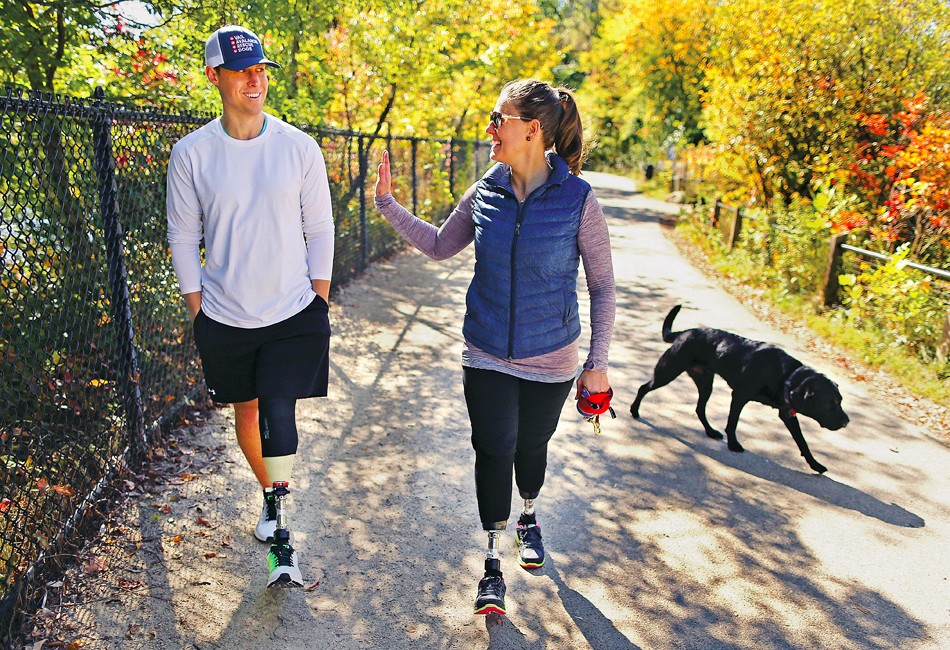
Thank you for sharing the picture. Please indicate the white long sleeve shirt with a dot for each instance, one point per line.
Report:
(263, 209)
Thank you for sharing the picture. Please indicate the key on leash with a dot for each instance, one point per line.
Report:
(592, 405)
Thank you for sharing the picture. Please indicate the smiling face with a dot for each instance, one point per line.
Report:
(508, 140)
(242, 91)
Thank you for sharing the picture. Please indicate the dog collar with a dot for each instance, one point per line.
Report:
(788, 391)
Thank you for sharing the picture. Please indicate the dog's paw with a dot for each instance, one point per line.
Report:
(712, 433)
(634, 411)
(818, 467)
(736, 447)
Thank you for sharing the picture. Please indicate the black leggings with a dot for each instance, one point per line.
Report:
(512, 421)
(278, 426)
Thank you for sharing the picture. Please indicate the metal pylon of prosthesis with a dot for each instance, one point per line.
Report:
(280, 493)
(494, 539)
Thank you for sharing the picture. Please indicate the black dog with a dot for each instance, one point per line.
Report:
(756, 372)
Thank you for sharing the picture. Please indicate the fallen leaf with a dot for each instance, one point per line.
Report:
(65, 490)
(187, 476)
(176, 540)
(125, 583)
(203, 522)
(163, 508)
(95, 565)
(313, 586)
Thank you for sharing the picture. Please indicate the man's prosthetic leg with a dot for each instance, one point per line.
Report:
(278, 437)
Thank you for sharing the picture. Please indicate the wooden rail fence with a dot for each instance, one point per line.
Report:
(836, 249)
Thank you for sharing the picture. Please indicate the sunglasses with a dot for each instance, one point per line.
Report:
(497, 119)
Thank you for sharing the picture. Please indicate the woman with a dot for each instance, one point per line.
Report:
(532, 220)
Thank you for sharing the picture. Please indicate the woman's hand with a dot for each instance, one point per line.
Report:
(384, 180)
(593, 381)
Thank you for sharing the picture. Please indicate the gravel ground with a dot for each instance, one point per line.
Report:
(657, 537)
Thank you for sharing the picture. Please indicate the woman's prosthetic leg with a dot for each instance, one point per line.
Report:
(491, 588)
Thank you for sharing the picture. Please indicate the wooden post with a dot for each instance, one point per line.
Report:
(830, 293)
(943, 348)
(715, 213)
(736, 228)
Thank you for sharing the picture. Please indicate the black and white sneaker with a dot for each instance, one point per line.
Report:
(491, 590)
(530, 548)
(282, 564)
(267, 524)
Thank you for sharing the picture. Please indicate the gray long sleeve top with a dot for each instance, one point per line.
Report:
(593, 240)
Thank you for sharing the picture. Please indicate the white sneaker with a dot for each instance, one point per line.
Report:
(282, 564)
(267, 524)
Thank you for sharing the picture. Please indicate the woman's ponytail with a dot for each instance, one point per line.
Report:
(560, 120)
(569, 136)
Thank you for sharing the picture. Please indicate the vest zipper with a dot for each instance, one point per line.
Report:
(511, 308)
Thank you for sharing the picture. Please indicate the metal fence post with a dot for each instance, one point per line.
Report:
(452, 168)
(364, 236)
(830, 290)
(415, 179)
(118, 273)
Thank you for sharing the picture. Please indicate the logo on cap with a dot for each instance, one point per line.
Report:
(235, 48)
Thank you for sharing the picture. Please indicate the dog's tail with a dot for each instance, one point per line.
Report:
(668, 333)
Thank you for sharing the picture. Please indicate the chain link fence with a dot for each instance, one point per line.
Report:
(96, 354)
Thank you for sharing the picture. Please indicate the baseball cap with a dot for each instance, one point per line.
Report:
(235, 48)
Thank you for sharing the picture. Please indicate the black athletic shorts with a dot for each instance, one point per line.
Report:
(286, 359)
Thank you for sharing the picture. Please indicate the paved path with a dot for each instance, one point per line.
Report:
(658, 537)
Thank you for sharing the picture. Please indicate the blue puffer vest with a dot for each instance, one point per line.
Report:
(523, 298)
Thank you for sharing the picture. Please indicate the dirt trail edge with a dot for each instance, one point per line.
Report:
(657, 536)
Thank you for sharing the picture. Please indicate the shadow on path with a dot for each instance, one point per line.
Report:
(819, 486)
(598, 629)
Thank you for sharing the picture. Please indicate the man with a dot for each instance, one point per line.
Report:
(255, 189)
